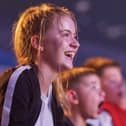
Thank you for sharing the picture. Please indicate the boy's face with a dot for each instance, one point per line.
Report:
(89, 95)
(111, 81)
(61, 45)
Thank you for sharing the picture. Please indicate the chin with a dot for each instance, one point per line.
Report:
(69, 66)
(66, 67)
(94, 115)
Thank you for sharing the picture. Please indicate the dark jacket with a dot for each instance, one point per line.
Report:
(26, 104)
(67, 122)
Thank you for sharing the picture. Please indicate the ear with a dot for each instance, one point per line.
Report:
(35, 43)
(72, 96)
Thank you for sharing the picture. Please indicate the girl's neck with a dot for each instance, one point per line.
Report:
(46, 76)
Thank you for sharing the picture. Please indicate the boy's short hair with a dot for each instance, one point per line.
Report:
(100, 63)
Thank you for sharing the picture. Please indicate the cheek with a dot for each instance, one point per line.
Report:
(111, 89)
(89, 104)
(112, 92)
(53, 40)
(92, 98)
(56, 45)
(88, 100)
(53, 46)
(108, 87)
(81, 96)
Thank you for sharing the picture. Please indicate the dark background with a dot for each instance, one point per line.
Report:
(102, 28)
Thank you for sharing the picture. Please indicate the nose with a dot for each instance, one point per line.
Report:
(75, 43)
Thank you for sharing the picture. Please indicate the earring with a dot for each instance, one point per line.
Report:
(41, 48)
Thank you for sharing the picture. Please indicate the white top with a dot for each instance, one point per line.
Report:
(45, 117)
(104, 119)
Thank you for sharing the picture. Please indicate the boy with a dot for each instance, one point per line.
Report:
(83, 95)
(114, 106)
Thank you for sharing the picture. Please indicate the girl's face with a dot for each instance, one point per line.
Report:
(60, 44)
(89, 95)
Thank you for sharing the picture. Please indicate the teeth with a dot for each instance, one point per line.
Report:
(69, 54)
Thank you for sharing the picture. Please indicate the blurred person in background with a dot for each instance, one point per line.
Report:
(112, 82)
(45, 43)
(80, 95)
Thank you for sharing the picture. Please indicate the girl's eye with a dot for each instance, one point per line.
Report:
(66, 34)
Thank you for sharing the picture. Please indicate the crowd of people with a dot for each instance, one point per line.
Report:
(45, 89)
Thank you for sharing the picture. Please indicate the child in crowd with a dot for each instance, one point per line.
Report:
(80, 96)
(112, 82)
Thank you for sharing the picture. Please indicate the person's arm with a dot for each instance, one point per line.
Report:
(104, 119)
(19, 115)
